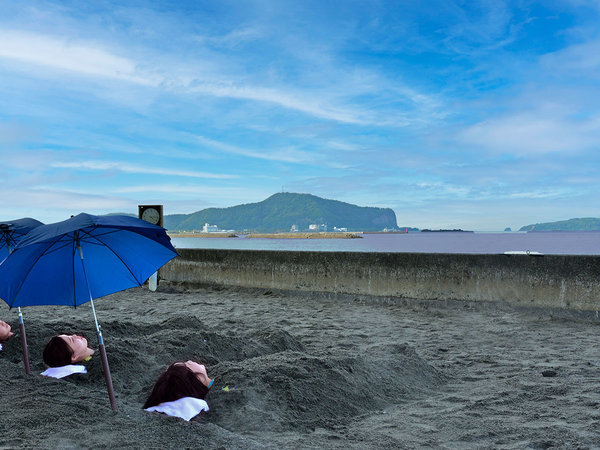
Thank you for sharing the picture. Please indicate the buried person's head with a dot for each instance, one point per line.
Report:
(65, 349)
(5, 332)
(181, 379)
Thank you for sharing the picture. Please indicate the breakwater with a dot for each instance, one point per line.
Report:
(553, 281)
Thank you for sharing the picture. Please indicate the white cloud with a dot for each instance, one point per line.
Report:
(162, 188)
(298, 102)
(49, 205)
(444, 189)
(90, 59)
(541, 194)
(533, 133)
(234, 38)
(331, 101)
(118, 166)
(283, 155)
(11, 133)
(195, 190)
(582, 59)
(85, 58)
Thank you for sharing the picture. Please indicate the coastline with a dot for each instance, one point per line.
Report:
(202, 235)
(318, 235)
(299, 235)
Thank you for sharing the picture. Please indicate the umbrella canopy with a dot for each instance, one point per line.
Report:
(82, 258)
(12, 232)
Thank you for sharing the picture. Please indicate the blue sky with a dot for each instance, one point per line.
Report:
(455, 114)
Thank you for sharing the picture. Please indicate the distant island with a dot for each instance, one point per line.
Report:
(581, 224)
(456, 230)
(285, 212)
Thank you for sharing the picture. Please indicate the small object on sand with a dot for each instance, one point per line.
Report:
(153, 282)
(64, 371)
(229, 388)
(523, 252)
(549, 373)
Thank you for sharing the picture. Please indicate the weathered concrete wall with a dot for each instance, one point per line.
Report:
(569, 282)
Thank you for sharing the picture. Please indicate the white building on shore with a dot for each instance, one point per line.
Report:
(207, 228)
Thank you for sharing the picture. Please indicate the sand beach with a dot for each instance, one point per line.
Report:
(310, 371)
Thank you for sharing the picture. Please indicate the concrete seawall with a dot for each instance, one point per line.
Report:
(560, 281)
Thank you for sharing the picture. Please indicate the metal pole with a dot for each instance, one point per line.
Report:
(24, 342)
(105, 367)
(23, 335)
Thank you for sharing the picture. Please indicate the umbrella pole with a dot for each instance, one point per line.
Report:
(24, 342)
(107, 377)
(23, 336)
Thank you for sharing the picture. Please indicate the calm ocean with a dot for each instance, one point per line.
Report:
(548, 243)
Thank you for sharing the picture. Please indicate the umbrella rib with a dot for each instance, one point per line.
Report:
(56, 248)
(115, 253)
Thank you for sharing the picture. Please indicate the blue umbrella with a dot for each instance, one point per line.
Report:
(11, 233)
(83, 258)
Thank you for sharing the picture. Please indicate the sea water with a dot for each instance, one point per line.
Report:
(548, 243)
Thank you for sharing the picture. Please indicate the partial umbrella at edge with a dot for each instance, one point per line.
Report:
(11, 233)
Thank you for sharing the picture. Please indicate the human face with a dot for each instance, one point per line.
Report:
(5, 332)
(200, 372)
(79, 346)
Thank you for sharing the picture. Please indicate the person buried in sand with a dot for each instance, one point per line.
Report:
(5, 332)
(65, 349)
(181, 380)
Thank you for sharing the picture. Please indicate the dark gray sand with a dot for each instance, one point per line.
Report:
(310, 372)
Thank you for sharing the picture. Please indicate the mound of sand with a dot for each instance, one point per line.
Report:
(277, 380)
(306, 371)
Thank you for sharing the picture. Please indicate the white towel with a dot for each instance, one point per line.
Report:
(64, 371)
(185, 408)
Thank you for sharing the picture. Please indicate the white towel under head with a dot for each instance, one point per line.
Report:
(64, 371)
(185, 408)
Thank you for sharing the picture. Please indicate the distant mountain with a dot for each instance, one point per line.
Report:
(583, 224)
(280, 211)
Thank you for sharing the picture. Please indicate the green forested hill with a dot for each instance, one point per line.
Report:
(583, 224)
(280, 211)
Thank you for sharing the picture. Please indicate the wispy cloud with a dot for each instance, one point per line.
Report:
(94, 59)
(62, 53)
(64, 200)
(118, 166)
(11, 133)
(581, 58)
(534, 133)
(284, 155)
(477, 29)
(316, 107)
(195, 190)
(540, 194)
(232, 38)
